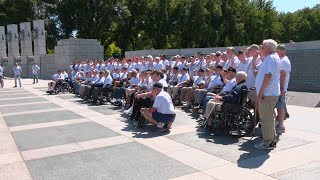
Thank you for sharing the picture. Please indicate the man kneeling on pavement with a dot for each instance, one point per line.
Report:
(232, 97)
(162, 113)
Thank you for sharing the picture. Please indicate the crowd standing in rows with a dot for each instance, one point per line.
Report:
(151, 86)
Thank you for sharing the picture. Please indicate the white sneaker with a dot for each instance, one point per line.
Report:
(263, 146)
(160, 125)
(129, 111)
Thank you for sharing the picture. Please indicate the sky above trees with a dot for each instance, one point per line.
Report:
(293, 5)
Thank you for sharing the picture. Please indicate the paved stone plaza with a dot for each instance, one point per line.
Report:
(57, 137)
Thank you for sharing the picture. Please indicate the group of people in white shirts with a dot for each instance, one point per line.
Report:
(267, 70)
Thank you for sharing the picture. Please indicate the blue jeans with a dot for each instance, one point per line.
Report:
(17, 77)
(35, 78)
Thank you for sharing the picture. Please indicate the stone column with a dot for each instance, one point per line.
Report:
(13, 40)
(3, 45)
(26, 48)
(26, 39)
(39, 37)
(13, 48)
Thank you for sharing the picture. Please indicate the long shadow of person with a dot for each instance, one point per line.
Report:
(252, 158)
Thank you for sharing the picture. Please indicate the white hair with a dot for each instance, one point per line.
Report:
(270, 43)
(242, 75)
(149, 56)
(156, 58)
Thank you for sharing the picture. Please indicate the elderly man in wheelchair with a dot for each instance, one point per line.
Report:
(55, 85)
(227, 113)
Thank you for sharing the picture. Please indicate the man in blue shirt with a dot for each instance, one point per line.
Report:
(17, 71)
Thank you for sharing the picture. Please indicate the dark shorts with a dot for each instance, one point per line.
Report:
(281, 102)
(164, 118)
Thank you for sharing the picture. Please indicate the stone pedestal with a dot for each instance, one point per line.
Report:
(69, 50)
(39, 37)
(26, 39)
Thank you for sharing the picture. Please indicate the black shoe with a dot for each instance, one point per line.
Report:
(14, 86)
(287, 115)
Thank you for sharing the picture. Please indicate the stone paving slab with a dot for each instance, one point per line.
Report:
(24, 94)
(309, 171)
(21, 108)
(67, 96)
(106, 109)
(19, 120)
(22, 100)
(127, 161)
(59, 135)
(238, 149)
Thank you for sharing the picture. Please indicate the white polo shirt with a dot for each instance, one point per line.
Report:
(285, 65)
(134, 80)
(229, 86)
(271, 65)
(17, 70)
(198, 80)
(163, 103)
(158, 66)
(35, 69)
(184, 78)
(163, 82)
(243, 66)
(215, 82)
(107, 81)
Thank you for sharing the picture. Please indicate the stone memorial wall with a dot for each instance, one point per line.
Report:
(27, 44)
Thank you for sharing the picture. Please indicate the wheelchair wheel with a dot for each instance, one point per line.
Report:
(217, 130)
(64, 87)
(245, 124)
(109, 96)
(141, 122)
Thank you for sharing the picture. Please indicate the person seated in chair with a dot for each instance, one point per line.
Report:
(187, 93)
(87, 88)
(174, 77)
(214, 86)
(105, 87)
(96, 84)
(162, 113)
(132, 86)
(118, 90)
(230, 82)
(183, 81)
(58, 79)
(232, 97)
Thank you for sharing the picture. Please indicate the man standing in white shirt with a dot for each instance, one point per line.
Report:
(233, 60)
(17, 71)
(285, 69)
(253, 63)
(35, 72)
(268, 91)
(162, 113)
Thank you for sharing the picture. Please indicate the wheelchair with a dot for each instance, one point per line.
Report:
(104, 97)
(60, 86)
(234, 119)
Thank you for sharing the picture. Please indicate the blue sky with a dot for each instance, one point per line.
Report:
(293, 5)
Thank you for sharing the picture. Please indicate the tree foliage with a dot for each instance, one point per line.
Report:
(158, 24)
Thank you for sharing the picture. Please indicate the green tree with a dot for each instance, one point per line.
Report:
(112, 50)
